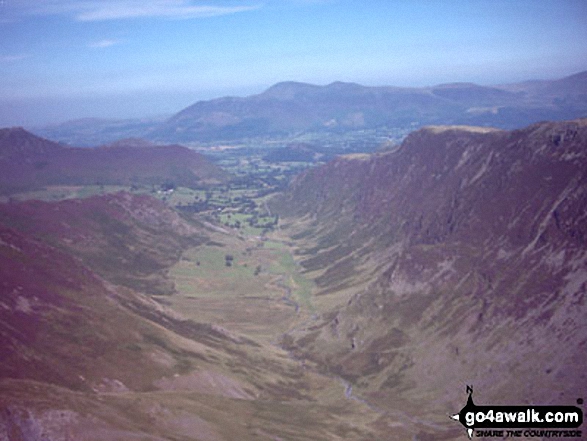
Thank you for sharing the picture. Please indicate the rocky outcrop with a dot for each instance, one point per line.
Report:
(474, 246)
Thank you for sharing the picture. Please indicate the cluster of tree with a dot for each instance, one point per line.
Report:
(255, 222)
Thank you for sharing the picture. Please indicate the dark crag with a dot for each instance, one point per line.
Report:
(459, 259)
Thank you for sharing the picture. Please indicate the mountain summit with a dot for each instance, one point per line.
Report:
(28, 162)
(291, 107)
(17, 142)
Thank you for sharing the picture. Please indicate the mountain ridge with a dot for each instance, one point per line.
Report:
(456, 258)
(292, 106)
(29, 162)
(453, 259)
(16, 141)
(289, 108)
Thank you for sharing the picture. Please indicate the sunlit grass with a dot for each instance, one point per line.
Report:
(62, 192)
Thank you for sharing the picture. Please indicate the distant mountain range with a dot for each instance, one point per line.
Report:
(291, 108)
(91, 132)
(28, 161)
(459, 257)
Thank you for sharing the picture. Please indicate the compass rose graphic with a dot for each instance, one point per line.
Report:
(469, 407)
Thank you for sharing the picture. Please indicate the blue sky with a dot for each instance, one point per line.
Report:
(66, 59)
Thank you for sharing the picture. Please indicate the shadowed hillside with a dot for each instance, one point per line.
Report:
(86, 357)
(129, 240)
(457, 259)
(29, 162)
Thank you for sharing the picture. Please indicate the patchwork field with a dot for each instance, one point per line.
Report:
(250, 285)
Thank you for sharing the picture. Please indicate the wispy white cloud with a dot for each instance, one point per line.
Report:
(169, 9)
(12, 58)
(103, 43)
(93, 10)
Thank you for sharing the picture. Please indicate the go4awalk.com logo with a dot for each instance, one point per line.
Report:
(517, 421)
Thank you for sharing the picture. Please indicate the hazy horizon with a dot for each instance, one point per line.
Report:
(63, 59)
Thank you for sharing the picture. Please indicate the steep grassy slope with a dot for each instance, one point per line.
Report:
(459, 258)
(63, 325)
(85, 357)
(130, 240)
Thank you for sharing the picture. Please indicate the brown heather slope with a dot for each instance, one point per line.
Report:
(128, 239)
(67, 317)
(28, 162)
(84, 357)
(460, 258)
(62, 325)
